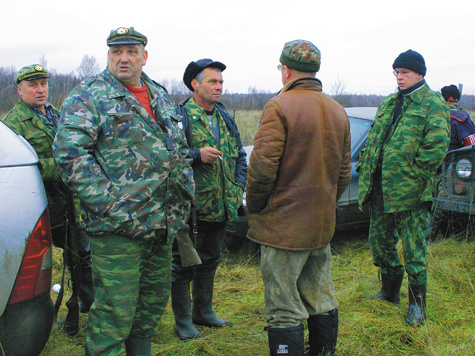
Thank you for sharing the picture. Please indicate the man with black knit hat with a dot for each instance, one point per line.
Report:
(462, 128)
(220, 171)
(299, 168)
(462, 133)
(405, 146)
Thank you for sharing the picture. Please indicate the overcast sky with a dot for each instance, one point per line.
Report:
(359, 40)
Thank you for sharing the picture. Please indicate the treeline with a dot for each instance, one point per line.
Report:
(254, 99)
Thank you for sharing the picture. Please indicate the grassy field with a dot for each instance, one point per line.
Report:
(369, 328)
(366, 327)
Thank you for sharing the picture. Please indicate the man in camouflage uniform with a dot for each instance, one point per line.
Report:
(220, 170)
(299, 168)
(120, 149)
(405, 146)
(36, 120)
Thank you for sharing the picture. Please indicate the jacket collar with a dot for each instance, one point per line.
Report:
(303, 83)
(417, 92)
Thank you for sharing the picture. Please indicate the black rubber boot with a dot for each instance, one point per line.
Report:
(181, 305)
(323, 334)
(390, 288)
(286, 341)
(203, 313)
(138, 346)
(416, 315)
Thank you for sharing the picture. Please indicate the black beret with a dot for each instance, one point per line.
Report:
(450, 93)
(411, 60)
(194, 68)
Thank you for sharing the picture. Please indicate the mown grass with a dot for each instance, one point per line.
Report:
(367, 327)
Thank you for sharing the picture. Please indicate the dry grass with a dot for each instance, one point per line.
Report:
(369, 328)
(366, 327)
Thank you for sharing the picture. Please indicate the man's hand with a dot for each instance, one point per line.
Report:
(209, 154)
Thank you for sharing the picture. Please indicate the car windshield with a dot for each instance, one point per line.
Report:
(358, 128)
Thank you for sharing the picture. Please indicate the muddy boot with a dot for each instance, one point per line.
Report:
(416, 315)
(181, 305)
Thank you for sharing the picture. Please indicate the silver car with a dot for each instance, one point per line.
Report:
(26, 308)
(348, 214)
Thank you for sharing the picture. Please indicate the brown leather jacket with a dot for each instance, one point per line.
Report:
(299, 168)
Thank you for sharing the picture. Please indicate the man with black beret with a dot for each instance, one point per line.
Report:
(299, 168)
(405, 146)
(220, 171)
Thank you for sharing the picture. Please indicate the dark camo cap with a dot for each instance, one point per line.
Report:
(301, 55)
(125, 36)
(35, 71)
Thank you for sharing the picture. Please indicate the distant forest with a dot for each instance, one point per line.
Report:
(61, 84)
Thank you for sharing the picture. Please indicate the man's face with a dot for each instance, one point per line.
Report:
(210, 88)
(125, 62)
(34, 92)
(406, 78)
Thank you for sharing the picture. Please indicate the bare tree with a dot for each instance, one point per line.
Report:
(88, 67)
(43, 62)
(338, 87)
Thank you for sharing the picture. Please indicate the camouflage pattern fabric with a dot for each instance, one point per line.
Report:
(307, 290)
(131, 174)
(218, 194)
(407, 226)
(40, 133)
(416, 148)
(301, 55)
(132, 284)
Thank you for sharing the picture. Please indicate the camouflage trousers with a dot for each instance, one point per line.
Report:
(386, 229)
(132, 285)
(298, 284)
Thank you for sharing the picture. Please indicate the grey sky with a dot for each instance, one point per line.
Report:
(359, 40)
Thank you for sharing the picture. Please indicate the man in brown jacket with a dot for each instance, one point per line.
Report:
(298, 170)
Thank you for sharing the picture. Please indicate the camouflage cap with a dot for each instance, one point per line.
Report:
(301, 55)
(125, 36)
(35, 71)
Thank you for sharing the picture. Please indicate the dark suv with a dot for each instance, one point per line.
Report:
(26, 308)
(454, 192)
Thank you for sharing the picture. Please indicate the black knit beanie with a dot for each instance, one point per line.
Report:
(411, 60)
(450, 93)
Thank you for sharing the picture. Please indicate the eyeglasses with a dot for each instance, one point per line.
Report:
(280, 67)
(404, 73)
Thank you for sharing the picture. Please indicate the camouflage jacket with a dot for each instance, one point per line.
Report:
(219, 186)
(132, 176)
(40, 133)
(415, 148)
